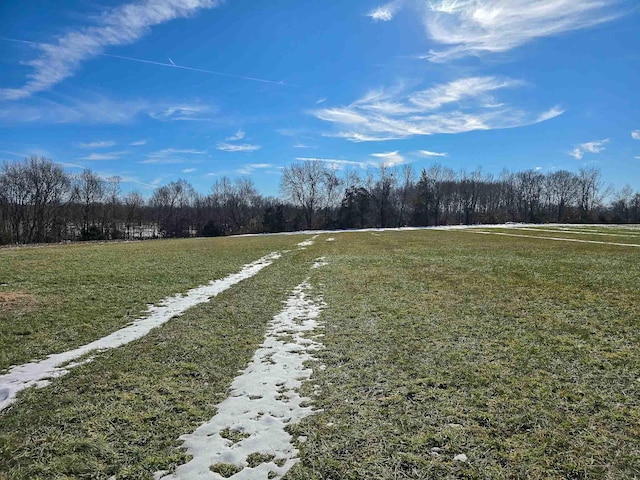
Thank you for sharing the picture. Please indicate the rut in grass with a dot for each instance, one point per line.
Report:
(247, 439)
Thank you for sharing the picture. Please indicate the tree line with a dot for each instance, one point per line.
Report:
(40, 202)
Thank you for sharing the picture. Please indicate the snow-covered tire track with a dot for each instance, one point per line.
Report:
(32, 374)
(262, 402)
(557, 239)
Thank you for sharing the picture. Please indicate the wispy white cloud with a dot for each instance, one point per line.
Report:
(170, 156)
(98, 110)
(588, 147)
(427, 153)
(635, 134)
(70, 165)
(121, 25)
(338, 163)
(103, 156)
(231, 147)
(458, 90)
(32, 151)
(14, 154)
(553, 112)
(390, 159)
(384, 13)
(239, 135)
(387, 159)
(321, 100)
(474, 27)
(188, 170)
(138, 143)
(183, 112)
(454, 107)
(98, 144)
(173, 151)
(136, 181)
(252, 167)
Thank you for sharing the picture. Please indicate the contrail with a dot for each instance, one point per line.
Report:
(162, 64)
(193, 69)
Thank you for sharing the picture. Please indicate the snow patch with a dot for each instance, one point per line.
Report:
(574, 232)
(262, 401)
(331, 239)
(306, 243)
(319, 262)
(558, 239)
(37, 373)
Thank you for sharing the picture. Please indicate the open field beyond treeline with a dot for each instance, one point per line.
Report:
(507, 352)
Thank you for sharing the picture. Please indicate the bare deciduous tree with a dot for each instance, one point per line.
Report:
(303, 184)
(562, 188)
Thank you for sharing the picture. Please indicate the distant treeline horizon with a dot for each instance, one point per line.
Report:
(40, 202)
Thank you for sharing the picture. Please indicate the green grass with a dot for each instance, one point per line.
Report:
(520, 353)
(78, 293)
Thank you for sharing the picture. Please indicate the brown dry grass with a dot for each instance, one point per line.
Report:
(11, 299)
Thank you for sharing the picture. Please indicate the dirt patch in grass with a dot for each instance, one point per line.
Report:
(15, 299)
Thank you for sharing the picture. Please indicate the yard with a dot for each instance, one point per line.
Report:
(504, 352)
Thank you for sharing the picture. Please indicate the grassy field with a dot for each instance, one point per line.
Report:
(56, 298)
(519, 353)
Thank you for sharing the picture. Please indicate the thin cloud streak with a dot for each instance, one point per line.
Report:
(103, 156)
(387, 159)
(182, 113)
(98, 144)
(337, 163)
(427, 153)
(170, 156)
(229, 147)
(250, 168)
(100, 111)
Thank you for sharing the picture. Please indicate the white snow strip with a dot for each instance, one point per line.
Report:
(555, 238)
(575, 232)
(306, 243)
(331, 239)
(630, 227)
(319, 262)
(32, 374)
(262, 402)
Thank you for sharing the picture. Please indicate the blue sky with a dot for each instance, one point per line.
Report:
(157, 90)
